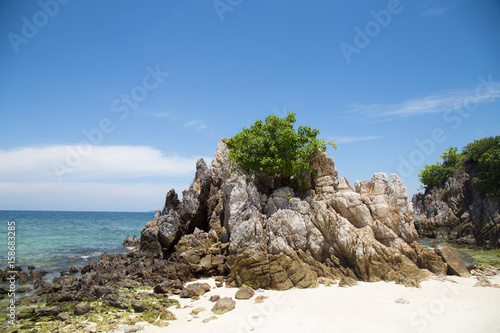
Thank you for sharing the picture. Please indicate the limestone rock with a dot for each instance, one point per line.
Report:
(255, 229)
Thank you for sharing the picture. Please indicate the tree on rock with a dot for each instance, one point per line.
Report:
(275, 147)
(483, 154)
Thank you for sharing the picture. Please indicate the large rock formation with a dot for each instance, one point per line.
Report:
(253, 228)
(457, 212)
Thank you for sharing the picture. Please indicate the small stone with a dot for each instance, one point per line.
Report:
(63, 316)
(214, 298)
(260, 299)
(206, 320)
(162, 323)
(81, 309)
(138, 306)
(130, 328)
(224, 305)
(196, 311)
(244, 293)
(402, 300)
(73, 270)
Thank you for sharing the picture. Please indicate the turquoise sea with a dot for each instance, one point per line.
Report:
(54, 241)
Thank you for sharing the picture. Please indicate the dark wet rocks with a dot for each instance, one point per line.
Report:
(81, 309)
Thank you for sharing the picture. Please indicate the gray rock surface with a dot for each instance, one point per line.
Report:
(457, 212)
(331, 229)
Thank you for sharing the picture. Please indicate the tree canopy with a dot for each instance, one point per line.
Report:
(483, 153)
(274, 146)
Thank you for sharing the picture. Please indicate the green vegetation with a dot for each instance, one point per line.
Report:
(484, 257)
(484, 153)
(275, 147)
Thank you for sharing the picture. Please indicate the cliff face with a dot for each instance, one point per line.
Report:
(261, 233)
(457, 212)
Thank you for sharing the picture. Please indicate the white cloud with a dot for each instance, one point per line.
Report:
(199, 125)
(112, 178)
(85, 196)
(91, 163)
(487, 91)
(351, 139)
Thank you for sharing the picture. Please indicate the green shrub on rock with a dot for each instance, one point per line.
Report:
(483, 154)
(275, 147)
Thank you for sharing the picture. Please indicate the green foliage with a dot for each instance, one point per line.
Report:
(275, 147)
(484, 153)
(436, 174)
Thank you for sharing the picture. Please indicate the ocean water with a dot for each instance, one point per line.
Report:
(54, 241)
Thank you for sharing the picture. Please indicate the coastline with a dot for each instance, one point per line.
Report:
(441, 304)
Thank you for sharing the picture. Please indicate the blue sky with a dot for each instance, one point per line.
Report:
(106, 105)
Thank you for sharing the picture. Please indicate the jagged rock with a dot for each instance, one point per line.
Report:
(454, 260)
(224, 305)
(457, 212)
(428, 258)
(262, 233)
(263, 270)
(130, 242)
(244, 293)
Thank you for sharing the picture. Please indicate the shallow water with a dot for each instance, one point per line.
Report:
(54, 241)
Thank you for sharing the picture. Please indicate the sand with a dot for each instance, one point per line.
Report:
(453, 305)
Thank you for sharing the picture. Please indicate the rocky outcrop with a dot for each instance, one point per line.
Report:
(257, 231)
(457, 212)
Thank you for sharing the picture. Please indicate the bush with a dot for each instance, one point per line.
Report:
(275, 147)
(436, 174)
(484, 153)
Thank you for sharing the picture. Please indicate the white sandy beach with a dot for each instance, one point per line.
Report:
(439, 306)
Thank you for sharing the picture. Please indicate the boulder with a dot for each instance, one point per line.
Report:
(454, 260)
